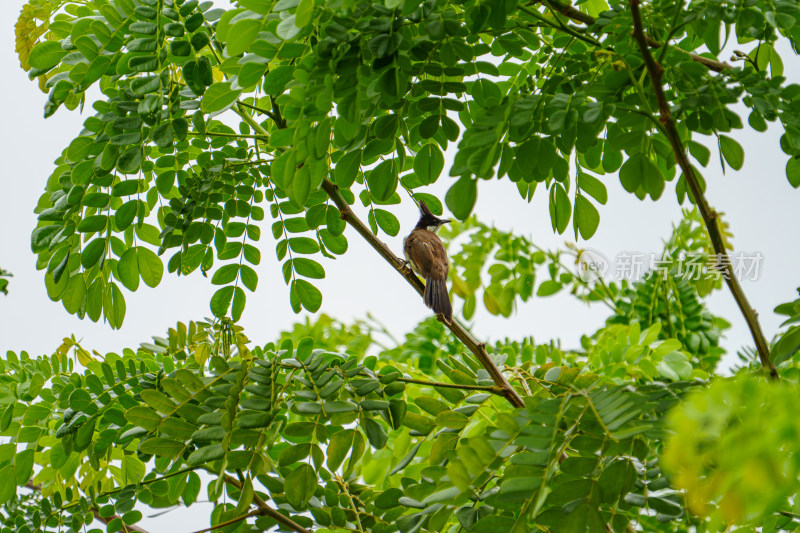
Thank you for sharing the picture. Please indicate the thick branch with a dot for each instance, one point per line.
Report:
(477, 348)
(710, 216)
(266, 510)
(579, 16)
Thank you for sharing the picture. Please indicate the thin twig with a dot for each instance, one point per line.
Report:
(227, 523)
(579, 16)
(96, 512)
(266, 510)
(477, 348)
(710, 216)
(270, 114)
(486, 388)
(226, 134)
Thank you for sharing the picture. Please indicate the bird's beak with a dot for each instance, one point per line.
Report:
(446, 221)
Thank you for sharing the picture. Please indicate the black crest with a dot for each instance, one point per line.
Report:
(427, 218)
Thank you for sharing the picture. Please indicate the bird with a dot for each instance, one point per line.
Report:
(426, 255)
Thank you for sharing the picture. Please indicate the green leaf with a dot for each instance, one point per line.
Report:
(340, 445)
(287, 29)
(732, 151)
(309, 295)
(347, 168)
(294, 454)
(300, 486)
(308, 268)
(383, 180)
(428, 163)
(130, 161)
(548, 287)
(46, 55)
(8, 488)
(80, 400)
(93, 223)
(303, 13)
(593, 187)
(376, 433)
(639, 171)
(162, 447)
(218, 98)
(128, 270)
(239, 300)
(75, 294)
(405, 461)
(387, 222)
(221, 301)
(699, 152)
(301, 185)
(92, 253)
(451, 419)
(586, 217)
(144, 417)
(385, 127)
(787, 346)
(206, 455)
(793, 171)
(461, 197)
(114, 305)
(225, 274)
(303, 245)
(79, 148)
(277, 78)
(385, 44)
(241, 35)
(150, 266)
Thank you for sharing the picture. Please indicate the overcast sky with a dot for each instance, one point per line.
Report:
(758, 202)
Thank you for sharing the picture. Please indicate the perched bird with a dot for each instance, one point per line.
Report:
(427, 256)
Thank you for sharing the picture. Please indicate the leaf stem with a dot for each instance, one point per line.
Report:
(488, 388)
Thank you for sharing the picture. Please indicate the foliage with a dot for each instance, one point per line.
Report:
(303, 425)
(789, 343)
(3, 281)
(369, 96)
(733, 451)
(208, 118)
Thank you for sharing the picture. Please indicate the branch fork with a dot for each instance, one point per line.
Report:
(710, 215)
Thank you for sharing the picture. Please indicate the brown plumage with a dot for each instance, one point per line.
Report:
(427, 257)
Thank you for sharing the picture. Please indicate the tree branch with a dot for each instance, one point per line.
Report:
(485, 388)
(265, 510)
(579, 16)
(710, 216)
(96, 512)
(227, 523)
(477, 348)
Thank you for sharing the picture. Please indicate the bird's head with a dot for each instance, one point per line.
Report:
(428, 220)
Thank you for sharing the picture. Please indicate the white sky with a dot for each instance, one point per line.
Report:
(758, 202)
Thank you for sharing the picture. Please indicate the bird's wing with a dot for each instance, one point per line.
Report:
(427, 252)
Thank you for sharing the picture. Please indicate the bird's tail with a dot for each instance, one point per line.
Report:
(436, 298)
